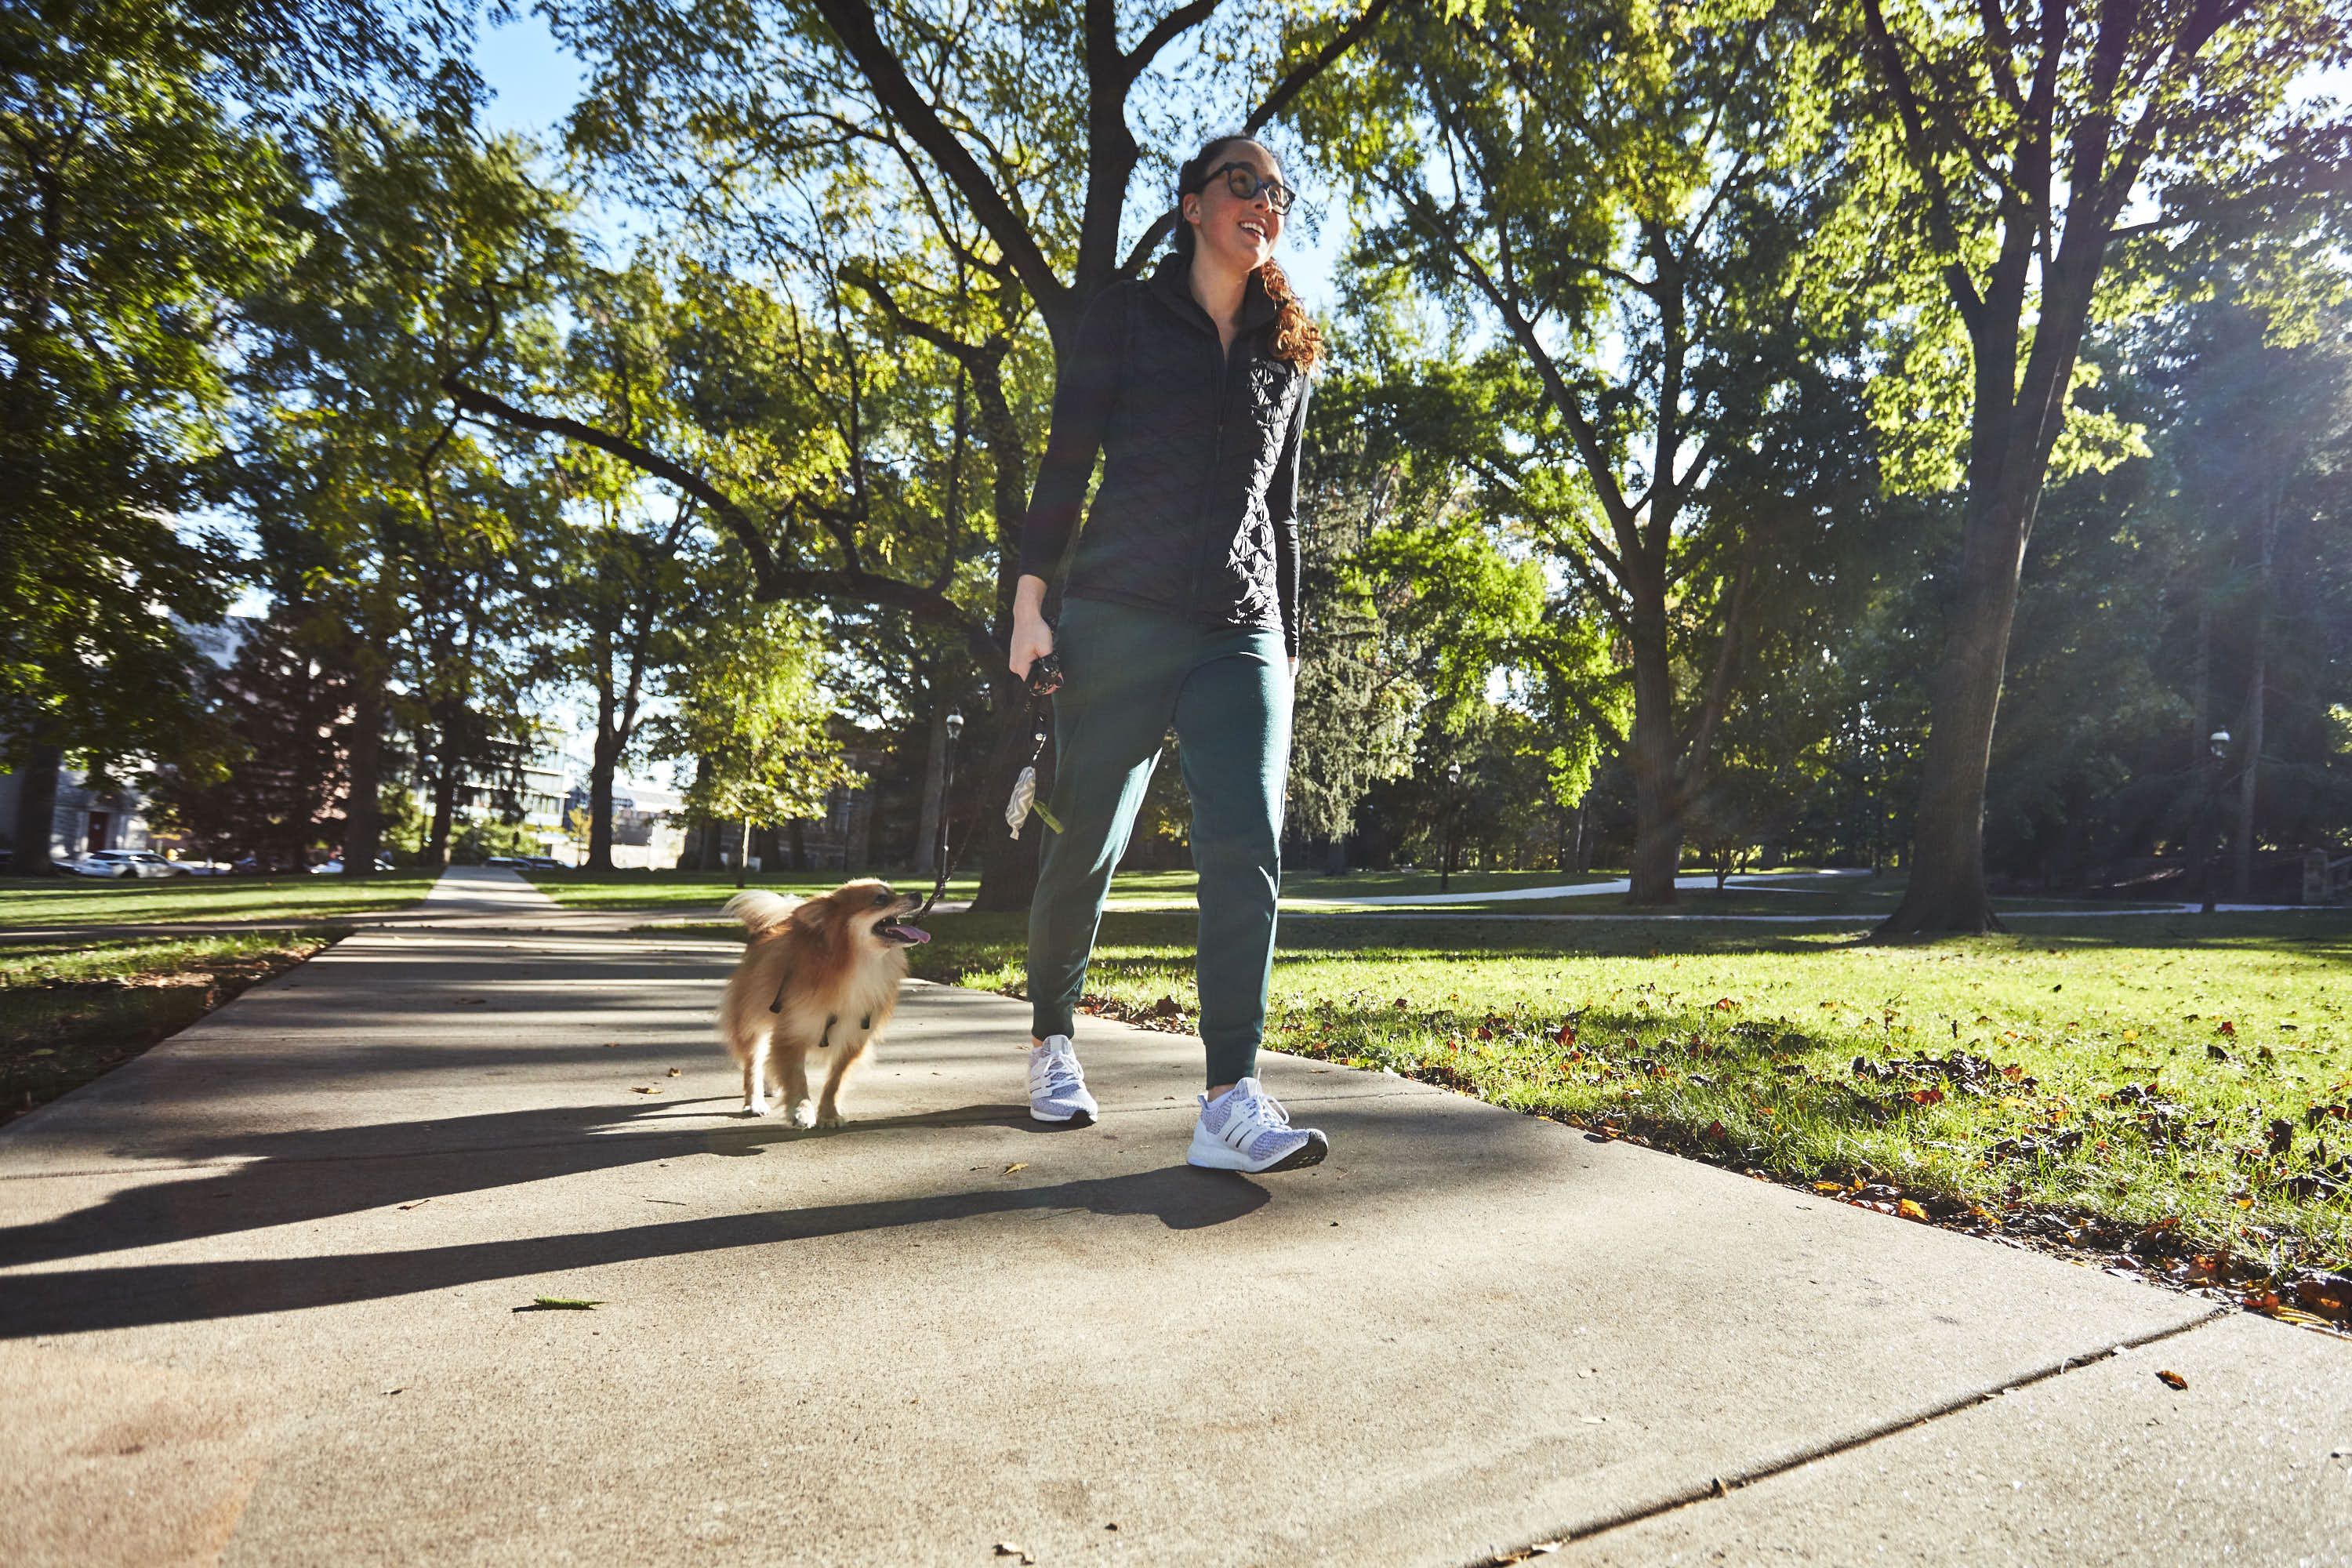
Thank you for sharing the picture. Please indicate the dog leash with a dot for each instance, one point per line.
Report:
(1044, 679)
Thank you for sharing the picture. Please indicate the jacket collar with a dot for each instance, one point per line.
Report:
(1171, 282)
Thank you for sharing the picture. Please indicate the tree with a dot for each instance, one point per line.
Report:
(138, 205)
(1640, 200)
(743, 701)
(404, 534)
(950, 139)
(2025, 134)
(284, 711)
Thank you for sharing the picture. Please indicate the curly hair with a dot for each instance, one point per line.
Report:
(1297, 340)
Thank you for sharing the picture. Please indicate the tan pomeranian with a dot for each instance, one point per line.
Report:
(819, 974)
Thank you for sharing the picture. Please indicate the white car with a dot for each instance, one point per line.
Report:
(335, 867)
(123, 863)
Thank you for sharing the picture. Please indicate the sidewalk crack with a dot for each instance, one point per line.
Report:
(1723, 1486)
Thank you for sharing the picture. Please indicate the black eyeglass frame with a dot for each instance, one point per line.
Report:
(1281, 201)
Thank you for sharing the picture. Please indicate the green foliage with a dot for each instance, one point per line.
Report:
(745, 704)
(476, 840)
(139, 206)
(281, 705)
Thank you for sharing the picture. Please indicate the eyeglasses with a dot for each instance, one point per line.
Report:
(1246, 183)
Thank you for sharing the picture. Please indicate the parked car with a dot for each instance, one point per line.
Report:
(515, 860)
(123, 863)
(542, 863)
(334, 868)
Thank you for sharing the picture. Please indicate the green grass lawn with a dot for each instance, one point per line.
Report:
(1855, 898)
(2176, 1085)
(1129, 889)
(71, 1011)
(74, 900)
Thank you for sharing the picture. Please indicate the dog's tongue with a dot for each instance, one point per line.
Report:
(908, 933)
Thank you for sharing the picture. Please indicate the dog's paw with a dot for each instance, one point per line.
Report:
(829, 1117)
(805, 1114)
(756, 1108)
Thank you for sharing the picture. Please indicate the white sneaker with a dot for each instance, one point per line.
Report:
(1058, 1086)
(1246, 1129)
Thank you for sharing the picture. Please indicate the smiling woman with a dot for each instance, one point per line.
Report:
(1181, 611)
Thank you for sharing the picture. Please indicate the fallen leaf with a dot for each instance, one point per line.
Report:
(417, 1204)
(1829, 1187)
(1016, 1165)
(560, 1304)
(675, 1071)
(1910, 1210)
(2226, 1028)
(1011, 1549)
(648, 1087)
(2172, 1379)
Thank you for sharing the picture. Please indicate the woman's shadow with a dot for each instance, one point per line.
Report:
(286, 1178)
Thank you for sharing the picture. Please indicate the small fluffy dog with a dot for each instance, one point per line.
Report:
(819, 974)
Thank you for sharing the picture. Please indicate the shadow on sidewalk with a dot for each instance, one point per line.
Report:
(1178, 1196)
(294, 1177)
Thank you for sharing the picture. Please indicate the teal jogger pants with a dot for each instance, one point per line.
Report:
(1131, 675)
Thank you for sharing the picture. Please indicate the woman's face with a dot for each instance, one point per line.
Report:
(1236, 231)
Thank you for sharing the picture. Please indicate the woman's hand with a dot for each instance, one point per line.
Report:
(1031, 637)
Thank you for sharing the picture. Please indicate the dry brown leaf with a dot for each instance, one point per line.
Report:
(2172, 1379)
(646, 1088)
(675, 1071)
(1016, 1165)
(1910, 1210)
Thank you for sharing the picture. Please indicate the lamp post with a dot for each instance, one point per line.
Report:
(1446, 855)
(2217, 746)
(947, 791)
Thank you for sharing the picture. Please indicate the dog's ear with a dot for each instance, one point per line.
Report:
(814, 914)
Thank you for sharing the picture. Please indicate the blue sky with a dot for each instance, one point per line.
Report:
(537, 82)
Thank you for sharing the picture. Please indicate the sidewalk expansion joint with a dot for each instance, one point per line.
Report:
(1724, 1485)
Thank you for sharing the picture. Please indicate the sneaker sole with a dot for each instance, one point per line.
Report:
(1311, 1153)
(1082, 1117)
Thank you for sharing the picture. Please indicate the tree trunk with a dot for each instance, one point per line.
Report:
(1947, 889)
(604, 762)
(2241, 880)
(1657, 821)
(2242, 841)
(444, 814)
(36, 811)
(364, 808)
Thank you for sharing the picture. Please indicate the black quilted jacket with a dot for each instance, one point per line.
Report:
(1196, 513)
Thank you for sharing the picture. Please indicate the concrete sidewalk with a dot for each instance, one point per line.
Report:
(259, 1295)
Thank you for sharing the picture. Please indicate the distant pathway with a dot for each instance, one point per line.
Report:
(1772, 883)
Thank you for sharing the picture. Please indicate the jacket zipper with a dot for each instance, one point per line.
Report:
(1216, 456)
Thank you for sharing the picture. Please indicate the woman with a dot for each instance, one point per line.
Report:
(1180, 609)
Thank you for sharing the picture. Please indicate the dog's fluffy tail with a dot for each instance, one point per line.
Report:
(761, 911)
